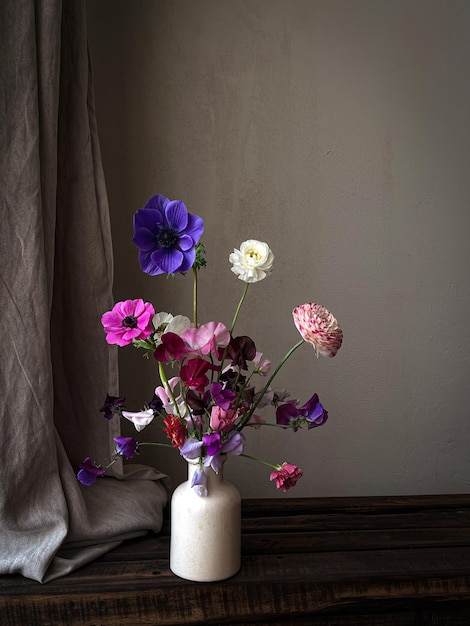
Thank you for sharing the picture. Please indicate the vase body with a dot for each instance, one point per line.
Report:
(205, 530)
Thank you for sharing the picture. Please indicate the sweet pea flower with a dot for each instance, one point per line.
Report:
(207, 338)
(110, 405)
(233, 446)
(199, 482)
(212, 443)
(191, 448)
(164, 394)
(89, 472)
(262, 366)
(256, 421)
(128, 320)
(166, 235)
(222, 397)
(318, 327)
(167, 323)
(140, 419)
(252, 262)
(126, 446)
(194, 374)
(312, 412)
(240, 350)
(223, 421)
(286, 476)
(170, 349)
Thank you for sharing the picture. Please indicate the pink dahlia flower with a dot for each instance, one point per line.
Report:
(128, 320)
(286, 476)
(318, 327)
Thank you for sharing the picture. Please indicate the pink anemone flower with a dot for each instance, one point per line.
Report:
(128, 320)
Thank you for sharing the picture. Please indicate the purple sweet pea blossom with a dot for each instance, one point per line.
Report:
(112, 405)
(222, 397)
(166, 235)
(126, 446)
(89, 472)
(314, 412)
(191, 449)
(233, 446)
(212, 443)
(199, 482)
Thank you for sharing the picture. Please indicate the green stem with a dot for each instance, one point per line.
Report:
(165, 383)
(255, 458)
(247, 417)
(235, 317)
(154, 443)
(195, 297)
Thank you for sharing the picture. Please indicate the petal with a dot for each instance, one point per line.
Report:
(157, 202)
(151, 219)
(147, 265)
(195, 227)
(145, 239)
(185, 243)
(188, 260)
(176, 215)
(168, 260)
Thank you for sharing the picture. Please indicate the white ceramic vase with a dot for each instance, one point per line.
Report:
(205, 530)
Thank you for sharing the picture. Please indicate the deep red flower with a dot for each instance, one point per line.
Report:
(193, 373)
(175, 431)
(286, 476)
(171, 348)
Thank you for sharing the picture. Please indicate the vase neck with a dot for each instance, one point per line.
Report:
(209, 472)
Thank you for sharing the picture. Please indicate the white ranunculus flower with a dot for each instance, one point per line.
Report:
(253, 262)
(167, 323)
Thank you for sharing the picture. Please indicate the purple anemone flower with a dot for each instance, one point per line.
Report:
(166, 235)
(89, 472)
(126, 446)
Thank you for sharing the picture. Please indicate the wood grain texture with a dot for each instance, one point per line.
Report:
(325, 561)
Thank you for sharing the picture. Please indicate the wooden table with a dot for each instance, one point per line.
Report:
(329, 561)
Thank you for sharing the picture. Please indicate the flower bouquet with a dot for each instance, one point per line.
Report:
(219, 380)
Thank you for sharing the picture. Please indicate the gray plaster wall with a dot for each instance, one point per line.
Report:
(338, 131)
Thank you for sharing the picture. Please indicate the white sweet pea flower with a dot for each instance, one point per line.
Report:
(167, 323)
(140, 419)
(253, 262)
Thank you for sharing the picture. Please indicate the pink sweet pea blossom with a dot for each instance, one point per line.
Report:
(262, 366)
(167, 400)
(319, 328)
(128, 320)
(286, 476)
(223, 421)
(207, 338)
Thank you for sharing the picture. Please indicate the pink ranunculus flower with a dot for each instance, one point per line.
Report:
(223, 421)
(319, 328)
(140, 419)
(286, 476)
(128, 320)
(207, 338)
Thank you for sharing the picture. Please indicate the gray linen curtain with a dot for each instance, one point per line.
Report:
(55, 282)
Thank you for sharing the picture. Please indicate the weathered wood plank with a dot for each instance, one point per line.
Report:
(328, 561)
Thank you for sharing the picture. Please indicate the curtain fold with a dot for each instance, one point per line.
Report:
(55, 282)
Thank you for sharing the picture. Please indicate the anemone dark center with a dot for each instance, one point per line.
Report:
(130, 321)
(167, 238)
